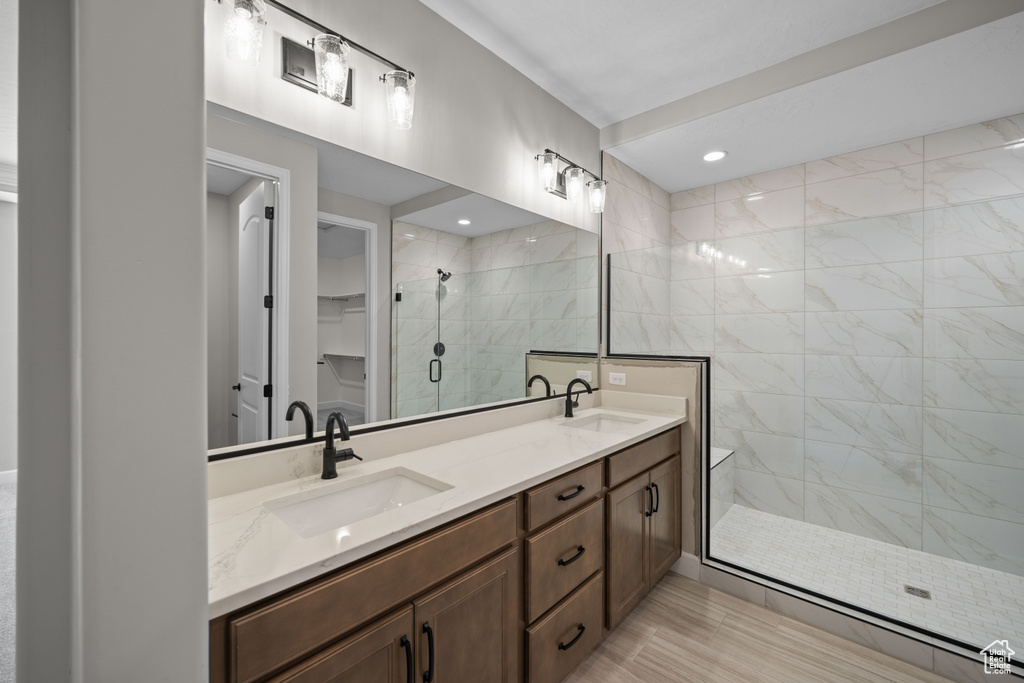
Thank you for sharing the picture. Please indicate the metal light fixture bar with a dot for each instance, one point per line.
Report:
(323, 29)
(571, 164)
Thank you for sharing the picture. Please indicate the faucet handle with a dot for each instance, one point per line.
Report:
(346, 454)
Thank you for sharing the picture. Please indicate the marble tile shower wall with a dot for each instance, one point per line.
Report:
(533, 287)
(866, 317)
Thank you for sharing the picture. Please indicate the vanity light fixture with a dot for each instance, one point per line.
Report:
(568, 182)
(400, 90)
(716, 155)
(243, 32)
(331, 53)
(326, 58)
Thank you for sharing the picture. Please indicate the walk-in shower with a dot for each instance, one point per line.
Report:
(868, 376)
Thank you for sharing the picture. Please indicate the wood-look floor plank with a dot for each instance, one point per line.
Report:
(685, 631)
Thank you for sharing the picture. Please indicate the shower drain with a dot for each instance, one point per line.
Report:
(919, 592)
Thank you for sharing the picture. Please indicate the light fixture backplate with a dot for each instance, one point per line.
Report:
(559, 189)
(300, 68)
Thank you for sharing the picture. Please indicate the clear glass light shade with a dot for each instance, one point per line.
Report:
(243, 32)
(574, 183)
(597, 193)
(331, 54)
(400, 89)
(547, 165)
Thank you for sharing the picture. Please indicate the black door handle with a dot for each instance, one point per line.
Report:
(431, 370)
(579, 551)
(428, 675)
(657, 501)
(408, 658)
(566, 646)
(650, 494)
(563, 497)
(237, 387)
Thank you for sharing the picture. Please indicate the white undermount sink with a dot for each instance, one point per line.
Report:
(311, 513)
(603, 422)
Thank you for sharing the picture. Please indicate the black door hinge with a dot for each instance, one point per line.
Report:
(268, 212)
(268, 391)
(268, 301)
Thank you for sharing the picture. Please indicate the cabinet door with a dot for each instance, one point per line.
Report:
(665, 544)
(627, 556)
(379, 653)
(470, 625)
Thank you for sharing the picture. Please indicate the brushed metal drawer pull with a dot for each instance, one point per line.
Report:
(566, 646)
(562, 497)
(579, 551)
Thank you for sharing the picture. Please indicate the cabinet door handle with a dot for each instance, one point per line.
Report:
(650, 494)
(566, 646)
(563, 497)
(579, 551)
(657, 501)
(428, 675)
(408, 658)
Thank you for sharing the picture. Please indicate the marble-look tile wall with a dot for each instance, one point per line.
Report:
(866, 317)
(528, 288)
(723, 486)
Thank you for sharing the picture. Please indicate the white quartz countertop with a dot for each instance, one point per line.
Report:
(254, 555)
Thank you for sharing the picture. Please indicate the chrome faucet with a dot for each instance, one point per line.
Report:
(332, 456)
(569, 402)
(301, 405)
(542, 378)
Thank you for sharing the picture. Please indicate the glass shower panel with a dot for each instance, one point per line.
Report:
(452, 349)
(416, 333)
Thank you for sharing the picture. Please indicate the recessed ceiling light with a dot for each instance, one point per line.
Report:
(464, 221)
(717, 155)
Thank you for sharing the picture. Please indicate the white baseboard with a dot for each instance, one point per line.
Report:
(9, 477)
(688, 565)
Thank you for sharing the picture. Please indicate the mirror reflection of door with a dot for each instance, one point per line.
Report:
(341, 323)
(253, 407)
(240, 326)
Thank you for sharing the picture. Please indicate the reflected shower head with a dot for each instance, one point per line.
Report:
(443, 275)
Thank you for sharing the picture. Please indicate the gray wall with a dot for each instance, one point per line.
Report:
(8, 336)
(111, 549)
(219, 312)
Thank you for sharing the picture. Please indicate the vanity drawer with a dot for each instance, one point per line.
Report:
(298, 623)
(630, 462)
(549, 662)
(557, 497)
(555, 565)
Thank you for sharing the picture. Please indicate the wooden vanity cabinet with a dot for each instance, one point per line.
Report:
(644, 530)
(381, 652)
(469, 628)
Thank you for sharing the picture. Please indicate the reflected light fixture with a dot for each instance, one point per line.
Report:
(464, 221)
(716, 155)
(327, 55)
(400, 91)
(331, 54)
(568, 183)
(243, 32)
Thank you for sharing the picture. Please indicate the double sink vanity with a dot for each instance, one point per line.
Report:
(502, 548)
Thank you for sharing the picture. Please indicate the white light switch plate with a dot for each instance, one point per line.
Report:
(617, 378)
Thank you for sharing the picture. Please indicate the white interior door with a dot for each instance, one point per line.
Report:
(253, 318)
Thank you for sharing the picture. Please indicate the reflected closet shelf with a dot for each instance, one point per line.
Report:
(340, 297)
(342, 356)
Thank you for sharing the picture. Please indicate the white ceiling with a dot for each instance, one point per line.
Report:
(611, 59)
(622, 62)
(339, 241)
(486, 215)
(224, 181)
